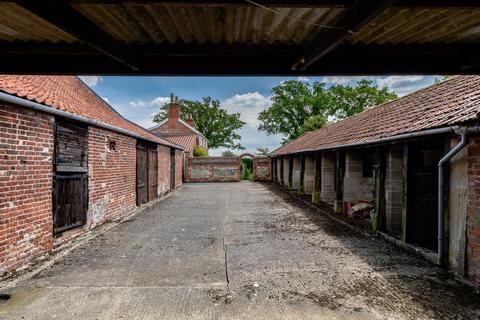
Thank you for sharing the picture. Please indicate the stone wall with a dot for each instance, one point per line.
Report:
(394, 190)
(309, 174)
(355, 185)
(212, 169)
(327, 188)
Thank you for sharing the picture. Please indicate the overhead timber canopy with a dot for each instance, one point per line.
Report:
(259, 37)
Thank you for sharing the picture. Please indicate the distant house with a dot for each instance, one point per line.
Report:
(178, 131)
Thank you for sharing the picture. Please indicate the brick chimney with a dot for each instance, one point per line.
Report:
(190, 121)
(173, 109)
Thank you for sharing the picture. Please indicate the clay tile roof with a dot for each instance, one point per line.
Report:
(451, 102)
(69, 93)
(187, 141)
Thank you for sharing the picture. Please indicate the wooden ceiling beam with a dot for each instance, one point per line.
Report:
(355, 17)
(65, 17)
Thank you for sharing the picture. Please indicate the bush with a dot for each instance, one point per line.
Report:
(200, 152)
(246, 169)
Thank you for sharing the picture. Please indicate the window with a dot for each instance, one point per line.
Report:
(112, 145)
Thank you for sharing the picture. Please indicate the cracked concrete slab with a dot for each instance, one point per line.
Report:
(238, 251)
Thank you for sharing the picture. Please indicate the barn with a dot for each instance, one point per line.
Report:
(69, 163)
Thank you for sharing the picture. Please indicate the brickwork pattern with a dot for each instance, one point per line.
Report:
(262, 169)
(112, 175)
(26, 181)
(163, 170)
(213, 169)
(473, 210)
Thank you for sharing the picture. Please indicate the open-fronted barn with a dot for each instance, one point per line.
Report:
(416, 159)
(70, 162)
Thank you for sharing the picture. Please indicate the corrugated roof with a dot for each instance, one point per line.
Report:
(448, 103)
(69, 93)
(187, 141)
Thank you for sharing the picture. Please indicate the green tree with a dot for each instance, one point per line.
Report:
(214, 122)
(299, 106)
(228, 153)
(262, 151)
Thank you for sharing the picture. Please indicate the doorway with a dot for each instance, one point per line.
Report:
(147, 172)
(422, 182)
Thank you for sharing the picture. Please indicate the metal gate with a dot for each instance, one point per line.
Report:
(147, 172)
(70, 192)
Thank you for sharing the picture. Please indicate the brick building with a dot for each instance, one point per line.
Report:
(402, 156)
(178, 131)
(70, 162)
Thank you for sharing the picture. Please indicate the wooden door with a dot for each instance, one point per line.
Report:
(70, 191)
(152, 173)
(142, 173)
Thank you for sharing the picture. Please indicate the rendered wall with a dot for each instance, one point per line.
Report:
(309, 174)
(296, 172)
(355, 185)
(327, 193)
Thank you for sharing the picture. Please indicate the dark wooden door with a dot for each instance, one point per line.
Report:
(70, 201)
(152, 173)
(142, 173)
(422, 193)
(172, 169)
(70, 191)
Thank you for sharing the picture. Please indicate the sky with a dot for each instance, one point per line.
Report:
(139, 98)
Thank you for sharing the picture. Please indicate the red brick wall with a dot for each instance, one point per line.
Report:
(112, 175)
(26, 153)
(213, 169)
(178, 168)
(163, 170)
(473, 210)
(262, 169)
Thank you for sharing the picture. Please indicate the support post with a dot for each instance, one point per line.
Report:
(273, 169)
(378, 223)
(290, 172)
(317, 178)
(405, 193)
(301, 186)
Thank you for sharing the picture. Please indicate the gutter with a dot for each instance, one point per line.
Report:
(68, 115)
(463, 133)
(403, 136)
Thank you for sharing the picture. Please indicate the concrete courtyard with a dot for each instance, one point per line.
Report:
(238, 251)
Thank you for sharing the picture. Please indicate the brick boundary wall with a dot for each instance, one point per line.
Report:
(178, 168)
(262, 169)
(111, 176)
(26, 223)
(212, 169)
(473, 211)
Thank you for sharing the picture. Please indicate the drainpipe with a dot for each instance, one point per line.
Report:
(463, 133)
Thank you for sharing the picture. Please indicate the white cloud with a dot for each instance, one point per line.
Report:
(402, 85)
(160, 101)
(248, 105)
(91, 81)
(303, 79)
(342, 80)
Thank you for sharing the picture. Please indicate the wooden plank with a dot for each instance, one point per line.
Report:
(152, 173)
(70, 201)
(339, 178)
(142, 174)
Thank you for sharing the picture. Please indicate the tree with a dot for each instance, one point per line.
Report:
(262, 151)
(200, 151)
(299, 107)
(228, 153)
(214, 122)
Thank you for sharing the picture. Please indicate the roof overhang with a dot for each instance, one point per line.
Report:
(150, 37)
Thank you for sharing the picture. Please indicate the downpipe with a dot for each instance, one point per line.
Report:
(463, 133)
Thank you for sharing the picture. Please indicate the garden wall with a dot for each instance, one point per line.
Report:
(212, 169)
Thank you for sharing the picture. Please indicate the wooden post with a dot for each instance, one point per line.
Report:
(281, 172)
(290, 172)
(378, 223)
(317, 178)
(405, 193)
(339, 177)
(273, 169)
(301, 186)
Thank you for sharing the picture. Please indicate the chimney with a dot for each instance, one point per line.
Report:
(173, 109)
(190, 121)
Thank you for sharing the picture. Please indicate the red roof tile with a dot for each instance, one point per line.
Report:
(188, 141)
(69, 93)
(444, 104)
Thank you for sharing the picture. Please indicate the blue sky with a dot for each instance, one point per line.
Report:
(139, 98)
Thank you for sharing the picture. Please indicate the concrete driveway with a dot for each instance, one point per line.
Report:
(238, 251)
